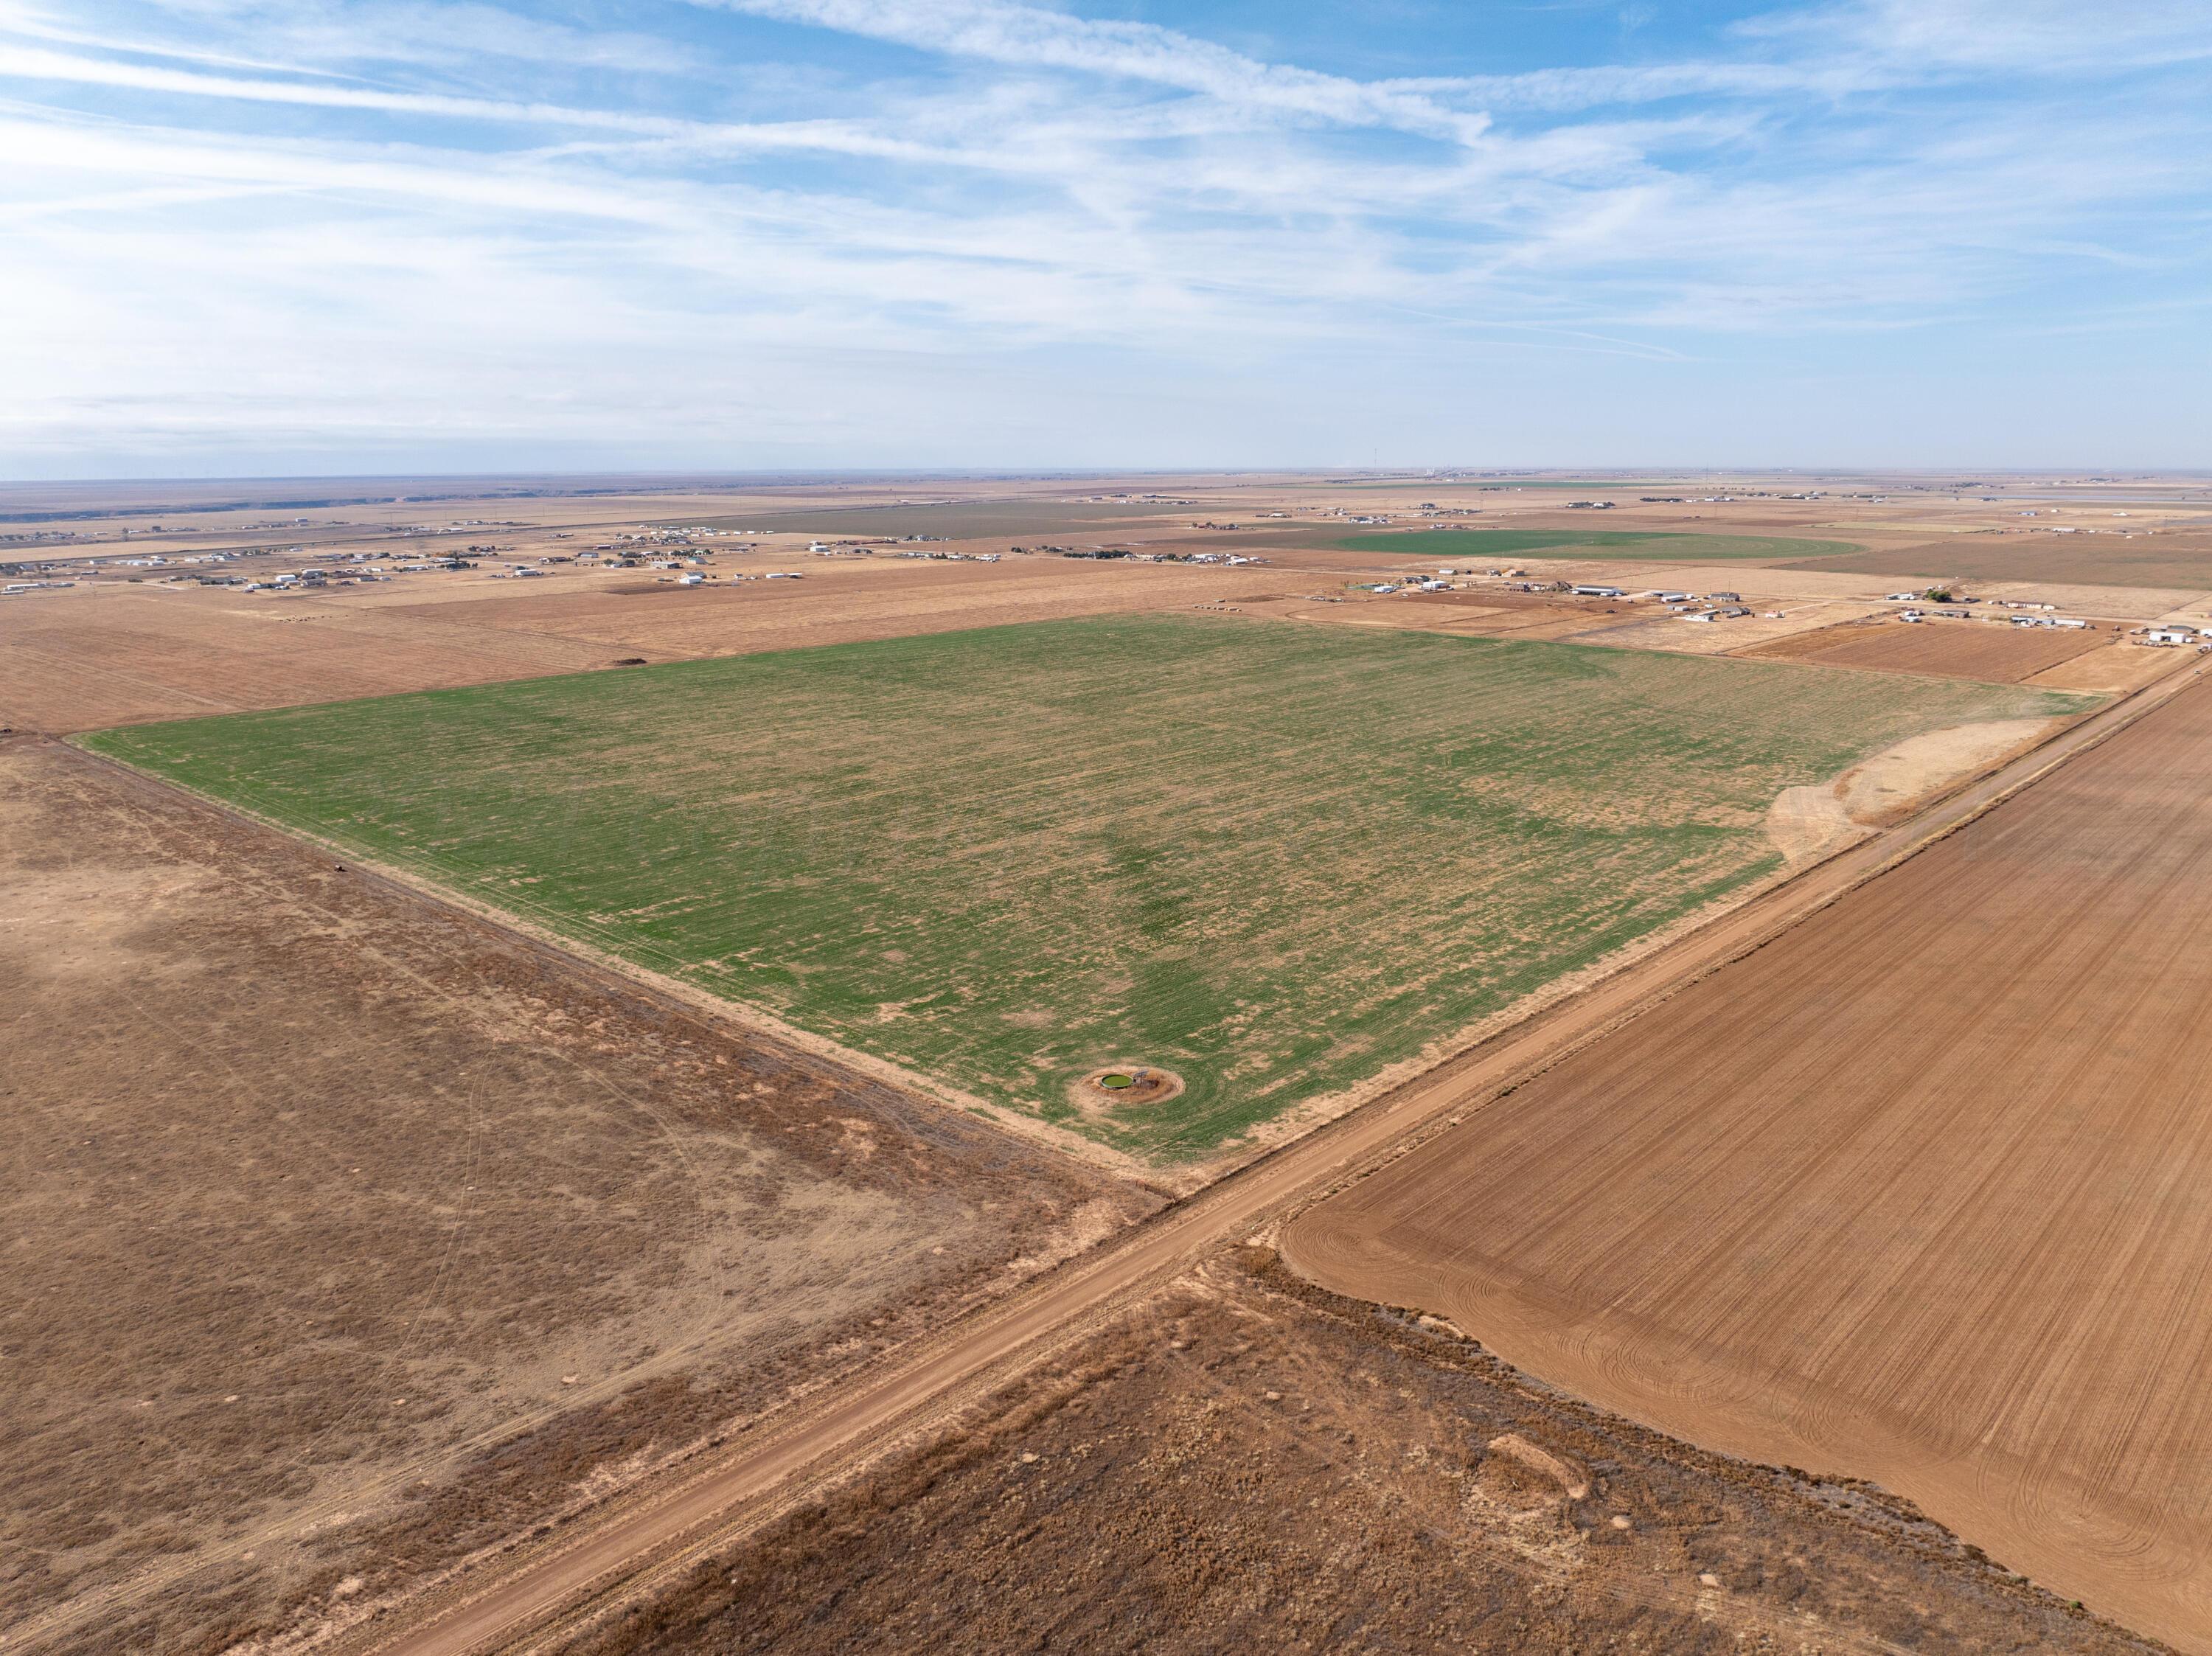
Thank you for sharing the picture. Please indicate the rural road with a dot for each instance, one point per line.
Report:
(606, 1556)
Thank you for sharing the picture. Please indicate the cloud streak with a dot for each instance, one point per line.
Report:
(944, 214)
(1030, 37)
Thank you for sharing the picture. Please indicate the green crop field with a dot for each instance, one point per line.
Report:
(1624, 545)
(1271, 858)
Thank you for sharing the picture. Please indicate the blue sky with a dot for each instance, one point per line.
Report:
(246, 237)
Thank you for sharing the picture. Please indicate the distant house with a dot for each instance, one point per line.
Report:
(1596, 591)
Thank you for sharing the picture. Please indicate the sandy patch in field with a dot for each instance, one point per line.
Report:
(1806, 823)
(1809, 823)
(2113, 669)
(1898, 779)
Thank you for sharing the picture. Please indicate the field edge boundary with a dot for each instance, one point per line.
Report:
(1099, 1158)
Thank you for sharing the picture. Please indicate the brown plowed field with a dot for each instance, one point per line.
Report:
(1917, 1191)
(837, 603)
(1243, 1464)
(78, 660)
(89, 657)
(2118, 666)
(2179, 558)
(347, 1235)
(1939, 649)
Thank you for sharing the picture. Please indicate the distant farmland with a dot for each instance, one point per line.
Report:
(2179, 559)
(1624, 545)
(959, 519)
(1275, 859)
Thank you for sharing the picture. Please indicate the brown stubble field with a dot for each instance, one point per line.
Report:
(1996, 653)
(1243, 1463)
(2176, 557)
(1914, 1193)
(97, 655)
(348, 1236)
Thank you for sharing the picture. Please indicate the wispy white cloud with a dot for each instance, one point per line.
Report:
(1032, 37)
(380, 214)
(2040, 37)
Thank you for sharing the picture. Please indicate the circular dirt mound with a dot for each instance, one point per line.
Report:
(1129, 1083)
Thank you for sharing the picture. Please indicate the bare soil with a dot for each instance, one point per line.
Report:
(1661, 630)
(1245, 1464)
(1994, 653)
(2119, 665)
(348, 1236)
(96, 655)
(2179, 559)
(1913, 1193)
(1810, 822)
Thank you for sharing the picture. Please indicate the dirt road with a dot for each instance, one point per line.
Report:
(636, 1543)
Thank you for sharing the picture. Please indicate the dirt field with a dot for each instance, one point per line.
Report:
(1994, 653)
(1582, 543)
(1914, 1192)
(1246, 1465)
(89, 657)
(1472, 614)
(2119, 665)
(968, 520)
(982, 856)
(115, 655)
(2179, 558)
(350, 1237)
